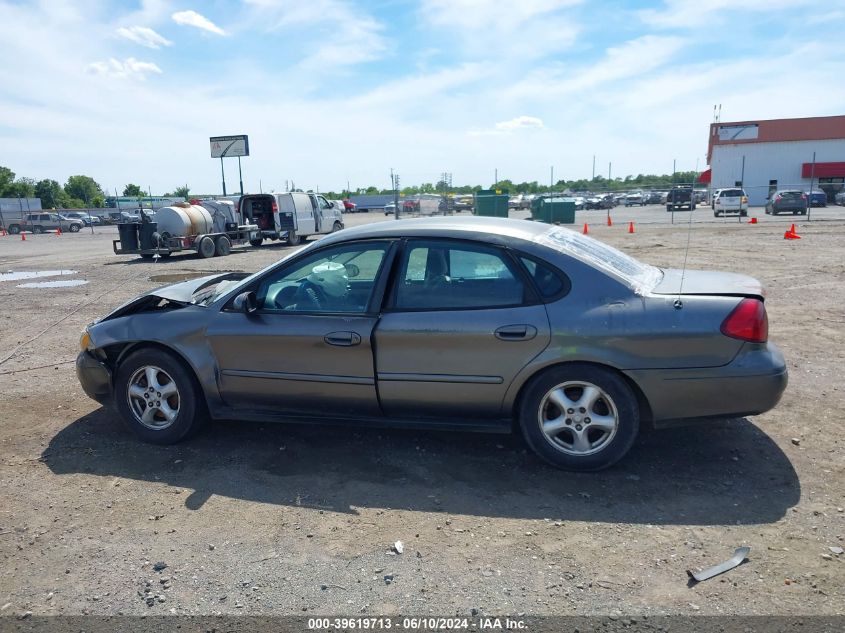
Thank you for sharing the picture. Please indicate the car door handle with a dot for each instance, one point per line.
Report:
(520, 332)
(342, 339)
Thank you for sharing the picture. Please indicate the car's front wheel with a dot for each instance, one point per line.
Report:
(74, 228)
(579, 417)
(158, 397)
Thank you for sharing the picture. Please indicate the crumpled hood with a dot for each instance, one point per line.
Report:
(181, 292)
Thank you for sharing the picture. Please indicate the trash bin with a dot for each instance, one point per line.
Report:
(491, 203)
(553, 210)
(128, 233)
(145, 235)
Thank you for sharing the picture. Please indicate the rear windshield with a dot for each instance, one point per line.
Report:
(791, 194)
(641, 277)
(731, 193)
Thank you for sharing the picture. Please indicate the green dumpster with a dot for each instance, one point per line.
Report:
(553, 210)
(492, 203)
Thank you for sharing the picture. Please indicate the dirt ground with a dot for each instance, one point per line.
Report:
(257, 519)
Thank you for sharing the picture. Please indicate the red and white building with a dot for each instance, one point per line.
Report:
(764, 156)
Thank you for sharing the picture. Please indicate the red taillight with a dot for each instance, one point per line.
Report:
(747, 322)
(275, 206)
(777, 198)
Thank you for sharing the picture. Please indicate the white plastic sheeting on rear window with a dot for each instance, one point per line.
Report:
(639, 276)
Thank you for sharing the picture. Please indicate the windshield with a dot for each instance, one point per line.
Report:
(639, 276)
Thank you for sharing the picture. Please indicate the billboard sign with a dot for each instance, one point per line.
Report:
(225, 146)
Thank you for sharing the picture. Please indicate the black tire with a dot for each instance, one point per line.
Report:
(257, 242)
(38, 229)
(337, 226)
(294, 239)
(222, 246)
(534, 404)
(73, 228)
(189, 401)
(804, 212)
(14, 229)
(743, 213)
(716, 214)
(146, 255)
(205, 248)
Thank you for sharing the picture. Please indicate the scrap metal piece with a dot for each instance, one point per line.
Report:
(738, 558)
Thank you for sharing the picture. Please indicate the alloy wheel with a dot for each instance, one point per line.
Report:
(153, 397)
(578, 418)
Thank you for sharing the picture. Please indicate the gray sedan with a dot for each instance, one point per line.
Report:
(461, 323)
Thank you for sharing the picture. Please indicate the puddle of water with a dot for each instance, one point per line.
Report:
(175, 277)
(30, 274)
(54, 284)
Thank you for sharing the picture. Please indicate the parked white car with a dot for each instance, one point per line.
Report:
(731, 200)
(289, 216)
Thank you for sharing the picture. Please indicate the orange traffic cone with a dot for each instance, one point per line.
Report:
(630, 227)
(59, 231)
(585, 231)
(609, 221)
(792, 230)
(752, 221)
(23, 236)
(789, 235)
(3, 233)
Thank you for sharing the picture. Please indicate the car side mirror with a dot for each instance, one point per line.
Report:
(246, 302)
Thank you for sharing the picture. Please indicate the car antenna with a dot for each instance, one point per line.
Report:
(678, 304)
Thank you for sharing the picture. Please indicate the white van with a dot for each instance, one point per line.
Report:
(289, 216)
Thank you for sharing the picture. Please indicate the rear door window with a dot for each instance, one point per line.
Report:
(442, 275)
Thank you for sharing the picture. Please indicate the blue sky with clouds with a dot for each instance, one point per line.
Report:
(332, 91)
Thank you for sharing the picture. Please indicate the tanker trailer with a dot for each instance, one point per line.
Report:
(209, 228)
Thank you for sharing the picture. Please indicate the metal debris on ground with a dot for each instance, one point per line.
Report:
(738, 558)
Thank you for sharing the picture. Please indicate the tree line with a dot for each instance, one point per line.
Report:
(84, 192)
(79, 192)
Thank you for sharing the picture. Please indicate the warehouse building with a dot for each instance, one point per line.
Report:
(764, 156)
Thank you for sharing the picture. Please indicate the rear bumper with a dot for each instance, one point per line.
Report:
(751, 384)
(95, 378)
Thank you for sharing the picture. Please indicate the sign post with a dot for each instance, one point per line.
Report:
(226, 146)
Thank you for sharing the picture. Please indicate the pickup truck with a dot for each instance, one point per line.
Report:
(680, 197)
(291, 216)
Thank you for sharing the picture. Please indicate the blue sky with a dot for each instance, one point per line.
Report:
(332, 91)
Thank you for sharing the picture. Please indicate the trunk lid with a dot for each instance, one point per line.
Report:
(708, 282)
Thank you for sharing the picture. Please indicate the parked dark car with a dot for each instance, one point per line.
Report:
(653, 197)
(451, 322)
(787, 201)
(817, 197)
(680, 197)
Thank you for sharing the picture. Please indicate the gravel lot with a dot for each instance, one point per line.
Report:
(256, 519)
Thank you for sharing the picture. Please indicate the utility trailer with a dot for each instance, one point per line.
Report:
(209, 228)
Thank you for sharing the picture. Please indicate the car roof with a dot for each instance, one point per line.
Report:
(443, 226)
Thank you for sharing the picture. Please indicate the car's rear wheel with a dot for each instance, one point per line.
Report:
(73, 228)
(38, 229)
(579, 417)
(14, 229)
(257, 242)
(158, 397)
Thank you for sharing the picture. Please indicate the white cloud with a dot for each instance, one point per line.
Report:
(342, 34)
(520, 122)
(143, 36)
(192, 18)
(510, 31)
(130, 67)
(706, 13)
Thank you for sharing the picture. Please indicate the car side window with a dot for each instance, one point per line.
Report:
(438, 275)
(339, 279)
(549, 282)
